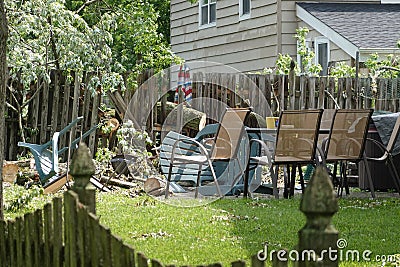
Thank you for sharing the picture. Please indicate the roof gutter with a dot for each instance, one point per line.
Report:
(366, 52)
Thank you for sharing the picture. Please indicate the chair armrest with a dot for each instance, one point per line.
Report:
(381, 147)
(203, 150)
(264, 148)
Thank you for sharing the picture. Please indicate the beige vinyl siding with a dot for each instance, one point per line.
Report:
(248, 45)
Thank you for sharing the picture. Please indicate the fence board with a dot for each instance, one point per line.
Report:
(321, 92)
(58, 232)
(55, 100)
(28, 219)
(311, 92)
(44, 117)
(65, 117)
(48, 234)
(142, 260)
(19, 222)
(3, 242)
(105, 237)
(11, 253)
(36, 237)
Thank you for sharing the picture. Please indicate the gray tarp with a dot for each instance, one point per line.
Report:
(384, 125)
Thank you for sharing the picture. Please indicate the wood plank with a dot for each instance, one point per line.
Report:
(12, 254)
(142, 260)
(28, 220)
(311, 90)
(256, 262)
(303, 92)
(65, 119)
(44, 116)
(94, 121)
(116, 252)
(349, 93)
(35, 114)
(75, 106)
(37, 237)
(48, 235)
(239, 263)
(339, 97)
(55, 100)
(95, 250)
(70, 226)
(323, 81)
(58, 228)
(19, 227)
(105, 237)
(3, 243)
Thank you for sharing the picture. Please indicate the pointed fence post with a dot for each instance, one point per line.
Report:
(318, 238)
(82, 168)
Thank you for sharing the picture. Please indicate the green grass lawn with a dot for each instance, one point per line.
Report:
(227, 230)
(232, 229)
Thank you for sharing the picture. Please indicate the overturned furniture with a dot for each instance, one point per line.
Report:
(46, 157)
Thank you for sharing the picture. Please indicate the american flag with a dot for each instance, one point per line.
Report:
(185, 84)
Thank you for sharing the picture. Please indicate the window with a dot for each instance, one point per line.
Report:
(321, 46)
(208, 11)
(244, 9)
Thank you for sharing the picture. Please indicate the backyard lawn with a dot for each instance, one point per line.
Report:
(235, 229)
(229, 229)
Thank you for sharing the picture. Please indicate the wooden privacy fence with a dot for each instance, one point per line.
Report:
(53, 107)
(300, 92)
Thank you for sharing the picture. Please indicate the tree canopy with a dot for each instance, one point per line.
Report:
(106, 36)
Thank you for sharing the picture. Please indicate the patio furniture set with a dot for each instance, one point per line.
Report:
(231, 160)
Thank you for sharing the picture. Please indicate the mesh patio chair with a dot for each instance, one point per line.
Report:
(346, 143)
(387, 153)
(225, 147)
(295, 145)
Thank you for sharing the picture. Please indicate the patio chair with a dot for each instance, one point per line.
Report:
(46, 155)
(346, 143)
(224, 147)
(295, 145)
(387, 153)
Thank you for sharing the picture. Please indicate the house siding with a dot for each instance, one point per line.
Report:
(247, 45)
(232, 41)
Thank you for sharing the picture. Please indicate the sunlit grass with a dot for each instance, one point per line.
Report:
(231, 229)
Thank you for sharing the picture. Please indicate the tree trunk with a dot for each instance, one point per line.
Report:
(3, 80)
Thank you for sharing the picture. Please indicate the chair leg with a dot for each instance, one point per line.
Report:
(292, 178)
(286, 181)
(215, 178)
(371, 184)
(274, 176)
(246, 181)
(168, 180)
(394, 174)
(301, 179)
(196, 192)
(340, 181)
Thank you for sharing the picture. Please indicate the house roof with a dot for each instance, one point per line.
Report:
(367, 26)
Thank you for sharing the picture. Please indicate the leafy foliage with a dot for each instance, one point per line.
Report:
(306, 55)
(341, 69)
(106, 37)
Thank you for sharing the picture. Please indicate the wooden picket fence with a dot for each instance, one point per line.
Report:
(64, 233)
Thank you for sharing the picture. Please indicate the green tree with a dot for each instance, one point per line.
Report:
(110, 38)
(3, 80)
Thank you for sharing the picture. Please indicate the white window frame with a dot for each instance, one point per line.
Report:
(246, 15)
(309, 48)
(322, 40)
(209, 24)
